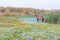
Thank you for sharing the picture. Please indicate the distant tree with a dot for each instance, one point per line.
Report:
(12, 10)
(2, 10)
(8, 13)
(19, 11)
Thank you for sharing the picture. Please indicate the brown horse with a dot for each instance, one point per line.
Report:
(40, 18)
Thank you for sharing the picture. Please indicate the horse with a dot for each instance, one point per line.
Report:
(39, 18)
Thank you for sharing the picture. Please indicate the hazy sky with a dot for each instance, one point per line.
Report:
(38, 4)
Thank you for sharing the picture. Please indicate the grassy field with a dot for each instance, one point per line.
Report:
(20, 30)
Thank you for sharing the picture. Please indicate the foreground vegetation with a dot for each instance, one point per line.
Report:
(13, 29)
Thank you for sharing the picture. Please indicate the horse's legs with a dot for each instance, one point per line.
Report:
(42, 20)
(37, 20)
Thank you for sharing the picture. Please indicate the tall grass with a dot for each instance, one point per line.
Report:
(52, 18)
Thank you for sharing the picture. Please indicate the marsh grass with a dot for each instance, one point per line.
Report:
(21, 30)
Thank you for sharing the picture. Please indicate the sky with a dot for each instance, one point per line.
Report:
(38, 4)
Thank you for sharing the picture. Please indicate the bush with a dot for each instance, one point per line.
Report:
(52, 18)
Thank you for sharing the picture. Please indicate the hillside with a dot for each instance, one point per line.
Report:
(26, 11)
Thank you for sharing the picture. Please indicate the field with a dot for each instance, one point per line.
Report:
(13, 29)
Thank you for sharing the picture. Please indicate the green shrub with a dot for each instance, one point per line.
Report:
(52, 18)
